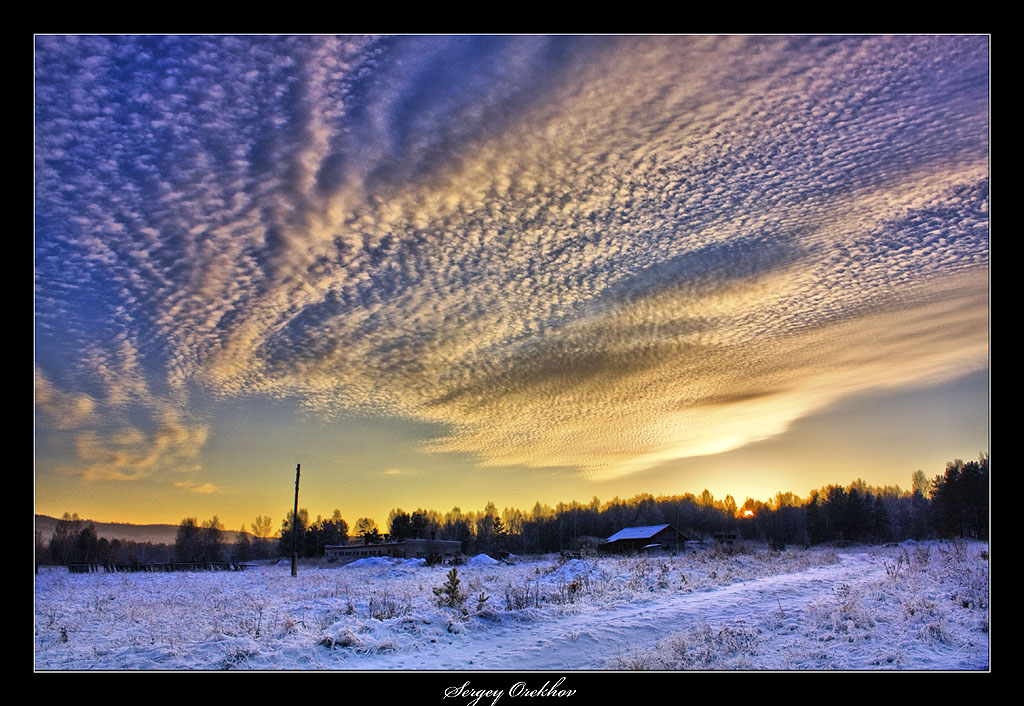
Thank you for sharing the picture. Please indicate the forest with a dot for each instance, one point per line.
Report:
(954, 504)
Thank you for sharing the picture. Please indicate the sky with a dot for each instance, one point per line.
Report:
(438, 271)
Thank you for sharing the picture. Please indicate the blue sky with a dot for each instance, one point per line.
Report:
(444, 270)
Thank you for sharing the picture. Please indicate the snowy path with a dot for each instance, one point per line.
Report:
(843, 612)
(592, 637)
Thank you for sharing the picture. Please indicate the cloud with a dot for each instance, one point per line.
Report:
(629, 402)
(201, 488)
(588, 252)
(59, 409)
(122, 431)
(131, 453)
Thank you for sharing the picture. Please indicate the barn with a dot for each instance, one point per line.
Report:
(433, 550)
(647, 538)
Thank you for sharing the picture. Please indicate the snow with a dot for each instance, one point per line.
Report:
(482, 560)
(920, 606)
(637, 532)
(384, 561)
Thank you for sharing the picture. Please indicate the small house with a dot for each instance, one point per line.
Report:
(647, 538)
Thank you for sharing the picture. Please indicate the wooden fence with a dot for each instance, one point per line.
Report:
(158, 567)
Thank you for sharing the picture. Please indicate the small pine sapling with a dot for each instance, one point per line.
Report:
(450, 595)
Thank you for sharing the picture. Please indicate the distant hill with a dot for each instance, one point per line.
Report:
(157, 534)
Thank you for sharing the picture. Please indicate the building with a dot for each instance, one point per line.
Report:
(433, 550)
(648, 538)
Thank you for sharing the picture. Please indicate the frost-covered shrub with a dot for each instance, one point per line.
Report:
(522, 597)
(848, 616)
(954, 551)
(383, 605)
(936, 631)
(646, 574)
(237, 655)
(572, 591)
(920, 555)
(970, 584)
(341, 636)
(896, 566)
(702, 648)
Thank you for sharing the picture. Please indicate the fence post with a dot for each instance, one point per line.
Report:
(295, 524)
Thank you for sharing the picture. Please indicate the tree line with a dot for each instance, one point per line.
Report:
(952, 504)
(75, 541)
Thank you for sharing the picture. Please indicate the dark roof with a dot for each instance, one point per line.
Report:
(637, 532)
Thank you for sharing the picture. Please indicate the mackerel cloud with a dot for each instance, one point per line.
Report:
(597, 253)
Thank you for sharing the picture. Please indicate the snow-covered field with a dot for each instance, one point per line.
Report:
(912, 607)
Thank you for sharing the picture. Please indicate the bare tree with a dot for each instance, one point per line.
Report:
(212, 539)
(242, 550)
(62, 543)
(187, 546)
(262, 530)
(921, 483)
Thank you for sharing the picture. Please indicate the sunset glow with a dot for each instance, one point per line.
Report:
(445, 270)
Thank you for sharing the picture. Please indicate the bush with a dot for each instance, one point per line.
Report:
(572, 591)
(383, 606)
(521, 597)
(729, 647)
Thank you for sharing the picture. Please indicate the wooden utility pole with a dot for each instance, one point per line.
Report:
(295, 525)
